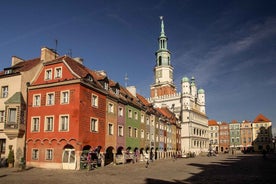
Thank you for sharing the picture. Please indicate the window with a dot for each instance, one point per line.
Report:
(35, 124)
(121, 111)
(64, 123)
(94, 125)
(142, 134)
(129, 132)
(110, 107)
(94, 100)
(49, 154)
(64, 97)
(2, 116)
(135, 132)
(49, 124)
(147, 121)
(106, 86)
(35, 154)
(117, 91)
(136, 115)
(2, 146)
(12, 115)
(48, 74)
(120, 130)
(142, 118)
(110, 129)
(58, 72)
(36, 100)
(4, 92)
(129, 113)
(148, 136)
(50, 99)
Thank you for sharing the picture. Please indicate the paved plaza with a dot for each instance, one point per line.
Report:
(242, 168)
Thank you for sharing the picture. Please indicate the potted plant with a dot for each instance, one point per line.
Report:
(11, 157)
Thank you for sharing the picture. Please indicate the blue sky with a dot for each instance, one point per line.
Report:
(228, 46)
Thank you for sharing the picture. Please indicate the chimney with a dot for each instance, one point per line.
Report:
(132, 90)
(16, 60)
(79, 60)
(48, 54)
(102, 72)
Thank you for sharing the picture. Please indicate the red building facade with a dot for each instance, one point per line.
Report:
(66, 115)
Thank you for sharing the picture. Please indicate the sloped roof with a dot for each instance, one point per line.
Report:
(261, 118)
(17, 98)
(22, 66)
(77, 67)
(142, 99)
(212, 122)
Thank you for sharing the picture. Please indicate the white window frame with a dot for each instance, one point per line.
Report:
(63, 98)
(142, 118)
(34, 127)
(12, 115)
(2, 116)
(129, 131)
(4, 91)
(49, 101)
(36, 100)
(121, 111)
(46, 123)
(129, 113)
(48, 74)
(136, 132)
(35, 154)
(94, 100)
(110, 108)
(58, 72)
(120, 130)
(49, 153)
(110, 129)
(94, 124)
(136, 115)
(142, 134)
(61, 128)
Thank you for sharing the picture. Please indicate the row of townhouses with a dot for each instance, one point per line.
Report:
(241, 136)
(70, 108)
(53, 108)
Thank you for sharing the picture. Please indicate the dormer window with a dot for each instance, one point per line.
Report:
(8, 71)
(90, 78)
(106, 86)
(117, 91)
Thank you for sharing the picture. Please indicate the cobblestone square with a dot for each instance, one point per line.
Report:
(225, 168)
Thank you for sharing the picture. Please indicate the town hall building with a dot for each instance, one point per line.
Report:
(188, 105)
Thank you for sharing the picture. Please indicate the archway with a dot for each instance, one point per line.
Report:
(120, 150)
(109, 156)
(69, 157)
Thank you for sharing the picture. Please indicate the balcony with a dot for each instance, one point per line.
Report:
(13, 130)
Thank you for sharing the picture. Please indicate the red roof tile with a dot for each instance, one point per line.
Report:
(212, 122)
(261, 118)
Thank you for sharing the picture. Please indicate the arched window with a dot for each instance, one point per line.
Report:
(159, 61)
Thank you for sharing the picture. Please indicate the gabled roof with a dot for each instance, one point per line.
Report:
(261, 118)
(224, 123)
(212, 122)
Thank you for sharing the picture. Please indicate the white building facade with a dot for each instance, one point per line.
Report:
(188, 105)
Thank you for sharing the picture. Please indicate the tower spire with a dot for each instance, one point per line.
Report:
(162, 26)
